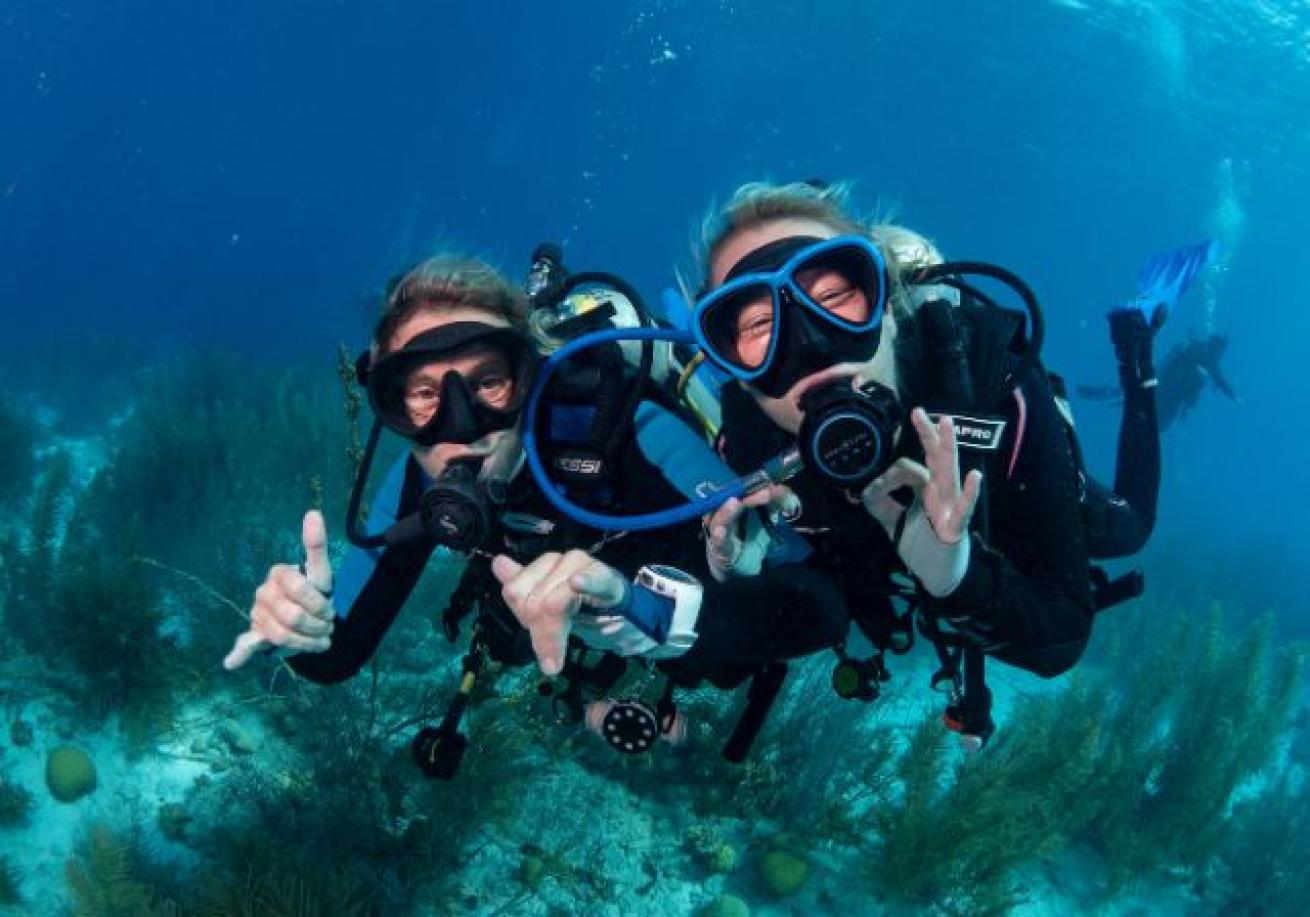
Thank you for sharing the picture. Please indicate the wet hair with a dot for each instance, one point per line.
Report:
(829, 203)
(448, 281)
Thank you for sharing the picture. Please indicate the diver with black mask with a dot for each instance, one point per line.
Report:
(819, 319)
(449, 364)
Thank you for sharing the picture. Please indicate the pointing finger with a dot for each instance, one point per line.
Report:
(246, 645)
(518, 591)
(505, 568)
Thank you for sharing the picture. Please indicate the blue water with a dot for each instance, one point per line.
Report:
(170, 176)
(246, 173)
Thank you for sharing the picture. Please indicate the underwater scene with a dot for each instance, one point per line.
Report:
(677, 457)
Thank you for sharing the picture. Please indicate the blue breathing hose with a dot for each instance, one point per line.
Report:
(553, 492)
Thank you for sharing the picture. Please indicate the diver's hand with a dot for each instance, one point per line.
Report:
(933, 540)
(292, 609)
(736, 546)
(547, 593)
(947, 506)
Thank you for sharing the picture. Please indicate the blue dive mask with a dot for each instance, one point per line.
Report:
(794, 307)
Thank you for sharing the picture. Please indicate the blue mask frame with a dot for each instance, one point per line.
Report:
(780, 281)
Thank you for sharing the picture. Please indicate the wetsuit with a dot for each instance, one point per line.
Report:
(790, 612)
(1184, 374)
(1119, 520)
(1025, 597)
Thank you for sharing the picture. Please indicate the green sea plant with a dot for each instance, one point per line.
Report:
(108, 625)
(1140, 760)
(348, 792)
(1266, 850)
(102, 881)
(80, 604)
(211, 474)
(1173, 759)
(28, 565)
(286, 885)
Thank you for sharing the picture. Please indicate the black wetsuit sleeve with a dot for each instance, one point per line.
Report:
(1026, 596)
(376, 584)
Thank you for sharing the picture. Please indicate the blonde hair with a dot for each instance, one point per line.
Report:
(450, 281)
(757, 203)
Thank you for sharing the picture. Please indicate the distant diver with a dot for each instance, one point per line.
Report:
(1179, 383)
(1185, 372)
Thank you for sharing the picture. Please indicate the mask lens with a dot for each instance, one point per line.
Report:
(491, 383)
(412, 391)
(845, 282)
(739, 325)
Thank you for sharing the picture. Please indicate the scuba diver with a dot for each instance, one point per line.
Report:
(1187, 368)
(452, 361)
(1120, 519)
(841, 342)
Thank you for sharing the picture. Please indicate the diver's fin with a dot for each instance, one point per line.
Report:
(1165, 277)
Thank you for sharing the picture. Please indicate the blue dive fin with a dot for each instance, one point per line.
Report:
(1166, 276)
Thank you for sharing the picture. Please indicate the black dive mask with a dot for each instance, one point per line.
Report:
(464, 409)
(847, 435)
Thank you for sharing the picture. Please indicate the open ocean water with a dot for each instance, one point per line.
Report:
(199, 203)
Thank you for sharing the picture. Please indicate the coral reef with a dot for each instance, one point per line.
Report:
(69, 773)
(783, 872)
(1164, 760)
